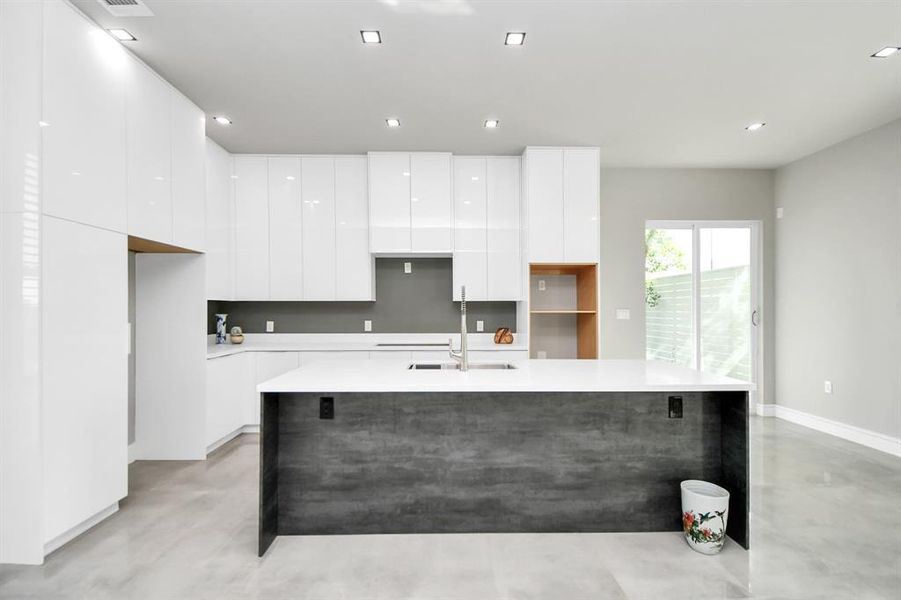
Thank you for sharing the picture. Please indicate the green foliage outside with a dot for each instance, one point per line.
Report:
(661, 254)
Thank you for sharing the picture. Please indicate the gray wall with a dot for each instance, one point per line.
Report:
(419, 302)
(838, 282)
(629, 197)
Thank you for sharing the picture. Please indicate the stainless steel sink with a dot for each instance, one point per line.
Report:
(456, 366)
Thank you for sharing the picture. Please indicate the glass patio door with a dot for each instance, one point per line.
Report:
(701, 291)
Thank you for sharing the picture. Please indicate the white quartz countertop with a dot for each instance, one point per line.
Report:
(528, 376)
(356, 343)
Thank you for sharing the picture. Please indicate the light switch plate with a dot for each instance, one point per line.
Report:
(827, 387)
(270, 326)
(542, 285)
(623, 314)
(480, 325)
(779, 212)
(408, 267)
(367, 325)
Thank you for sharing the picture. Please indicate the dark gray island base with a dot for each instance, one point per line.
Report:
(468, 462)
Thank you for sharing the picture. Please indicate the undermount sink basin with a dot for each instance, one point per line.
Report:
(456, 366)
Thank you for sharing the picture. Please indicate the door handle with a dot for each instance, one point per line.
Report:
(755, 318)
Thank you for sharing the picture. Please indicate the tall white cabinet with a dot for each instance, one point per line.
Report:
(487, 256)
(353, 263)
(410, 204)
(220, 220)
(319, 250)
(251, 181)
(285, 225)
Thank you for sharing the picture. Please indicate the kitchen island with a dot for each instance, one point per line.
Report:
(354, 447)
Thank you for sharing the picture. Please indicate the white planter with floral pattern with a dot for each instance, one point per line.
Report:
(705, 508)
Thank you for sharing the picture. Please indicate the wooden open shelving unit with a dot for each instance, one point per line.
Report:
(586, 304)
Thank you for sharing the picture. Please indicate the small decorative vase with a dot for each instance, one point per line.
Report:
(221, 338)
(705, 508)
(237, 336)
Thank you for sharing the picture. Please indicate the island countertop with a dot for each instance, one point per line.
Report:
(528, 376)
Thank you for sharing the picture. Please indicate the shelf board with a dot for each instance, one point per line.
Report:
(562, 312)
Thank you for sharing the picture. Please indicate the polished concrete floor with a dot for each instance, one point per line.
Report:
(826, 523)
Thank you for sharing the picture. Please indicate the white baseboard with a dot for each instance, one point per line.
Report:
(766, 410)
(250, 429)
(68, 536)
(132, 452)
(229, 437)
(858, 435)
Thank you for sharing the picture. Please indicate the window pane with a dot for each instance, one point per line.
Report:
(668, 296)
(725, 257)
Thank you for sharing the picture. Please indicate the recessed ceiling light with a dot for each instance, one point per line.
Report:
(392, 122)
(43, 124)
(492, 124)
(754, 126)
(223, 120)
(122, 35)
(885, 52)
(515, 38)
(290, 178)
(371, 37)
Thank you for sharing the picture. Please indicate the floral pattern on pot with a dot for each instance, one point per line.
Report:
(693, 526)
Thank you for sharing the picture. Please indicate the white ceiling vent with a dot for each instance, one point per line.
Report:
(126, 8)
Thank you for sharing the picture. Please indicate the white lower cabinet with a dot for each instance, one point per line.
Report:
(268, 365)
(230, 383)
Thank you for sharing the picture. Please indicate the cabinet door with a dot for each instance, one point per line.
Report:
(353, 267)
(84, 157)
(285, 229)
(389, 202)
(504, 261)
(430, 202)
(544, 181)
(581, 204)
(220, 217)
(268, 366)
(229, 381)
(251, 228)
(318, 185)
(188, 141)
(470, 214)
(149, 155)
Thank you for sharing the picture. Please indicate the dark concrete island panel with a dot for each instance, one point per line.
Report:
(495, 462)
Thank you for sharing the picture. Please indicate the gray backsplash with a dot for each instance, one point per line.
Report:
(419, 302)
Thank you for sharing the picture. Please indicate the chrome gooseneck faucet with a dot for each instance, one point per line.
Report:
(462, 356)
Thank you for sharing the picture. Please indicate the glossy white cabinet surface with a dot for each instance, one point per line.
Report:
(504, 260)
(229, 388)
(149, 152)
(251, 227)
(84, 147)
(353, 263)
(285, 227)
(430, 202)
(266, 366)
(85, 372)
(389, 201)
(318, 185)
(581, 203)
(220, 218)
(470, 227)
(544, 183)
(188, 133)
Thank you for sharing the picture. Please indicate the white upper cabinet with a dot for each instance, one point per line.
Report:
(149, 155)
(430, 202)
(220, 219)
(389, 201)
(410, 207)
(318, 184)
(84, 164)
(504, 260)
(188, 131)
(562, 204)
(353, 263)
(470, 227)
(251, 227)
(285, 228)
(581, 203)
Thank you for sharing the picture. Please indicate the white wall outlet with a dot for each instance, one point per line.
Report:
(542, 354)
(542, 285)
(367, 325)
(623, 314)
(827, 387)
(779, 212)
(480, 325)
(408, 267)
(270, 326)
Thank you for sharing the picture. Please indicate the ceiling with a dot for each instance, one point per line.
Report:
(651, 83)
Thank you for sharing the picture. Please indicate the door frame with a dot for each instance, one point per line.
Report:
(757, 316)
